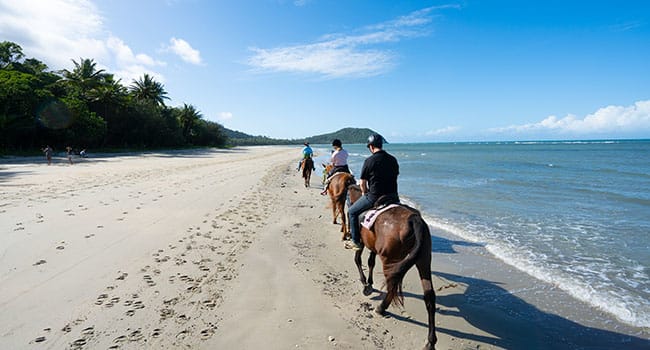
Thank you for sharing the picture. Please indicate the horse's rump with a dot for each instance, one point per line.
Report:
(307, 166)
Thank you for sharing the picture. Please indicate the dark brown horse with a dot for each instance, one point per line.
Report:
(338, 191)
(306, 166)
(401, 238)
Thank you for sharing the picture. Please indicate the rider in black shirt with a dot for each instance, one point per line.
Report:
(378, 178)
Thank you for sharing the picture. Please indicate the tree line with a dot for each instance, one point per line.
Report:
(87, 107)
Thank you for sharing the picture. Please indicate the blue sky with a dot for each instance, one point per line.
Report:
(412, 70)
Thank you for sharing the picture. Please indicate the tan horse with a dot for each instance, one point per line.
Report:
(401, 238)
(306, 167)
(338, 191)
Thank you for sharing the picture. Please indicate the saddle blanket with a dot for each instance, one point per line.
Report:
(371, 215)
(334, 175)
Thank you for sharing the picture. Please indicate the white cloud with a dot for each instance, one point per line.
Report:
(130, 66)
(185, 51)
(59, 31)
(610, 119)
(344, 55)
(443, 131)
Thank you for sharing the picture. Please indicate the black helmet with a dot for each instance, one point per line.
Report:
(336, 143)
(375, 140)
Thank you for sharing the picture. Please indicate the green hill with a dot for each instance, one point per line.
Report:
(346, 135)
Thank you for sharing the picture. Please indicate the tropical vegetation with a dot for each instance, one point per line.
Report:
(87, 107)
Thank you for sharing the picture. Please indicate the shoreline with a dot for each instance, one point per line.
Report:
(228, 249)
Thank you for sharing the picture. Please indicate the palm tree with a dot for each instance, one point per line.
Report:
(85, 75)
(10, 53)
(188, 116)
(110, 94)
(147, 89)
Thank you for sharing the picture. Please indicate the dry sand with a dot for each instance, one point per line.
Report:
(212, 249)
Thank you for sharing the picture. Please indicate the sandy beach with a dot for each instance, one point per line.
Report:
(226, 249)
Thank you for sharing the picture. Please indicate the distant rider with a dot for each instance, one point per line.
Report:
(307, 152)
(339, 161)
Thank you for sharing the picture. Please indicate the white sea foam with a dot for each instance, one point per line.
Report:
(626, 308)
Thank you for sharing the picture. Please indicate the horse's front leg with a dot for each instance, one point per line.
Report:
(344, 225)
(368, 289)
(334, 209)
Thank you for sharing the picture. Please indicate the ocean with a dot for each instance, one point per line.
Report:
(575, 214)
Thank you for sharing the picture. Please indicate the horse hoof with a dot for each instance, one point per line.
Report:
(367, 290)
(428, 346)
(380, 311)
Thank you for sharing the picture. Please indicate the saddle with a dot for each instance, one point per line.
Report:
(335, 175)
(368, 217)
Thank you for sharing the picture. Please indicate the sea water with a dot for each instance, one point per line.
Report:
(575, 214)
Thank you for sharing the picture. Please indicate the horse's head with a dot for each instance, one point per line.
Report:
(328, 167)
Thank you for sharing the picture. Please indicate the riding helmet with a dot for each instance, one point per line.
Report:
(336, 143)
(375, 140)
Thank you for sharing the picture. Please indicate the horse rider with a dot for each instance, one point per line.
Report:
(307, 152)
(378, 178)
(339, 161)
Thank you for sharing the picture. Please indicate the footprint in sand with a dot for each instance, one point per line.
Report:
(166, 314)
(88, 331)
(101, 298)
(78, 344)
(40, 262)
(122, 276)
(149, 280)
(182, 334)
(210, 304)
(136, 335)
(120, 339)
(89, 235)
(208, 332)
(39, 340)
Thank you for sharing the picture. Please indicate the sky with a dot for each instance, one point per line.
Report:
(415, 71)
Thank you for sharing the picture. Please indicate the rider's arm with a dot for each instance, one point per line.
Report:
(364, 186)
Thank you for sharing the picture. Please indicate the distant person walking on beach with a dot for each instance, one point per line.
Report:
(48, 154)
(68, 150)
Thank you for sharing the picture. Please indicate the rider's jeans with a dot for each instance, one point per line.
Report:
(353, 216)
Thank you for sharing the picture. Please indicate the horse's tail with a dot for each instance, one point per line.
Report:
(419, 231)
(349, 182)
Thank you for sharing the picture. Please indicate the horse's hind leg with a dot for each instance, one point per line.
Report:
(424, 269)
(334, 214)
(357, 261)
